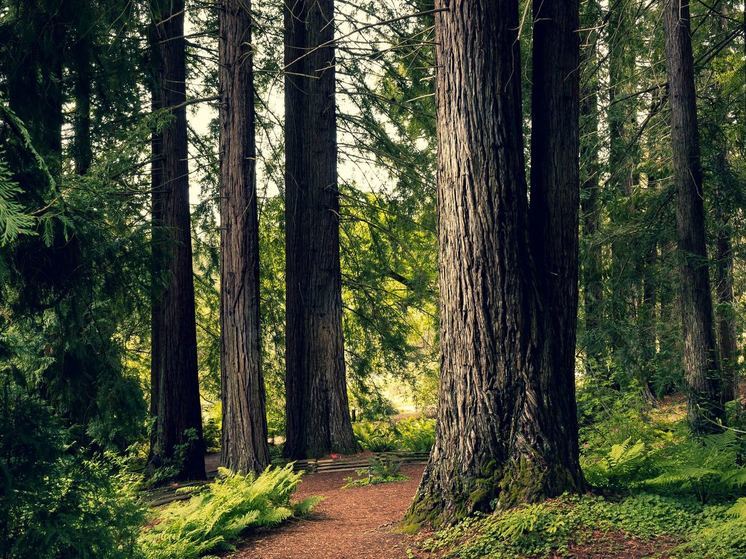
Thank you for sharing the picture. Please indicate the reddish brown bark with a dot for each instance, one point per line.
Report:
(317, 415)
(244, 433)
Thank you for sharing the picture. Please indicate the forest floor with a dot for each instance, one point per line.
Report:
(354, 523)
(363, 523)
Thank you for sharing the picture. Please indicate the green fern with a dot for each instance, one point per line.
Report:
(214, 518)
(14, 219)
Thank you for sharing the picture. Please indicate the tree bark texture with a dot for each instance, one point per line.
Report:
(178, 422)
(554, 213)
(496, 433)
(701, 366)
(317, 414)
(244, 433)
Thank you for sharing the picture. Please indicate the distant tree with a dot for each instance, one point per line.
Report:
(702, 370)
(317, 414)
(244, 433)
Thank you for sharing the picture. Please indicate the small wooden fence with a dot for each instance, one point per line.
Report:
(181, 491)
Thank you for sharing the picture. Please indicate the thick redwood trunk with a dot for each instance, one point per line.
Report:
(244, 432)
(178, 421)
(700, 352)
(555, 200)
(317, 415)
(496, 438)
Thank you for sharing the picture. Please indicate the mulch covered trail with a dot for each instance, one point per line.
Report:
(356, 523)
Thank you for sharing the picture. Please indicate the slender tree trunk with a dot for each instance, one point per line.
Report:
(496, 432)
(700, 352)
(726, 327)
(158, 241)
(82, 152)
(178, 421)
(317, 414)
(244, 433)
(724, 182)
(592, 279)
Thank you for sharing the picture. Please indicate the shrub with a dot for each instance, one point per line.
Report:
(217, 516)
(380, 470)
(56, 500)
(410, 435)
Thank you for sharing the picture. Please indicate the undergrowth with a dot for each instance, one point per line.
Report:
(411, 435)
(380, 470)
(656, 481)
(215, 518)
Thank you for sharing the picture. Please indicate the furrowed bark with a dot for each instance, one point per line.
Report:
(244, 433)
(317, 414)
(555, 200)
(495, 443)
(701, 365)
(177, 437)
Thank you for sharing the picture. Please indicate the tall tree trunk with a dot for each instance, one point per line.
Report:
(495, 437)
(724, 183)
(317, 414)
(726, 327)
(555, 200)
(244, 433)
(158, 242)
(701, 365)
(592, 279)
(178, 419)
(82, 152)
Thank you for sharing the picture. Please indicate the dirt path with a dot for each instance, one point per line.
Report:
(358, 523)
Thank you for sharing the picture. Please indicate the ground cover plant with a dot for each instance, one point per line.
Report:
(220, 513)
(650, 481)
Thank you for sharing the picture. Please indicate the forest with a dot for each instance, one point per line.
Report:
(374, 279)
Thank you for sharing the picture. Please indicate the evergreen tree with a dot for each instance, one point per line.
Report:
(317, 414)
(244, 433)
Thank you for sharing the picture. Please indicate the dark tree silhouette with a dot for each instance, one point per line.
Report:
(701, 366)
(175, 385)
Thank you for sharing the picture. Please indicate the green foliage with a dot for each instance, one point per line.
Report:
(14, 220)
(545, 529)
(221, 512)
(622, 464)
(410, 434)
(56, 500)
(382, 469)
(663, 458)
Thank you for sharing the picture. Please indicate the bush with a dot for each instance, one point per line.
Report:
(55, 500)
(213, 519)
(408, 435)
